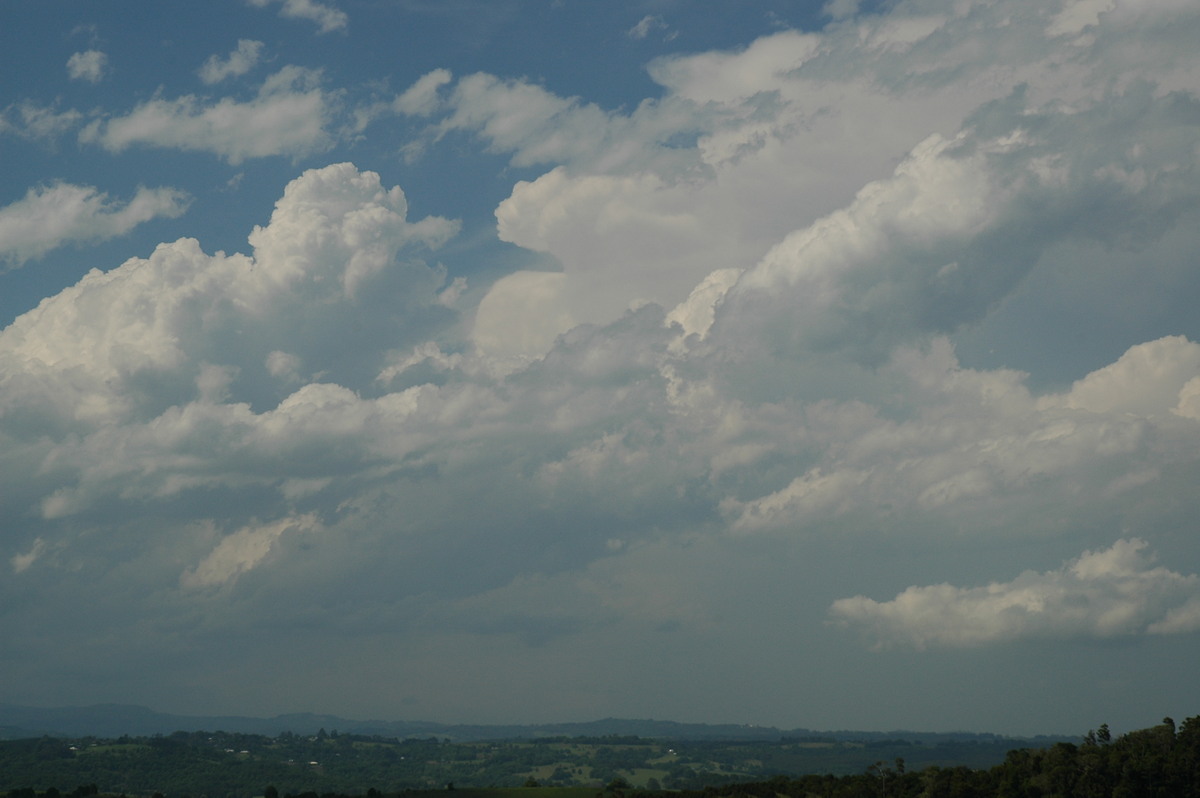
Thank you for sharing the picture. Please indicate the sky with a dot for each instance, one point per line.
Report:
(828, 365)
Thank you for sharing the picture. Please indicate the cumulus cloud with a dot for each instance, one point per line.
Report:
(327, 17)
(244, 58)
(287, 117)
(90, 65)
(51, 216)
(1102, 594)
(89, 352)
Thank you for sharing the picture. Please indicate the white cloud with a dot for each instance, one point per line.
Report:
(327, 17)
(1102, 594)
(1150, 378)
(243, 550)
(511, 321)
(603, 230)
(514, 115)
(695, 315)
(935, 197)
(86, 355)
(425, 354)
(728, 77)
(238, 62)
(91, 65)
(971, 448)
(421, 98)
(787, 129)
(949, 234)
(51, 216)
(369, 221)
(1189, 399)
(784, 132)
(288, 117)
(283, 365)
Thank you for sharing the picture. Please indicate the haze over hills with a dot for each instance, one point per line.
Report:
(114, 720)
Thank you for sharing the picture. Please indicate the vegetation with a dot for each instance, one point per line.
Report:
(237, 765)
(1160, 761)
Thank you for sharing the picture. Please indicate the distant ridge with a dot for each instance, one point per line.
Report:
(115, 720)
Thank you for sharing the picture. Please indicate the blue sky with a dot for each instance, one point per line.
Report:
(819, 365)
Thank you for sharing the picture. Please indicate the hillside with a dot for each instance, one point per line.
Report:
(236, 764)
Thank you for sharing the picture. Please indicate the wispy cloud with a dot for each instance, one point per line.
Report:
(645, 26)
(38, 122)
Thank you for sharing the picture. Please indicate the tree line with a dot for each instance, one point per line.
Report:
(1159, 761)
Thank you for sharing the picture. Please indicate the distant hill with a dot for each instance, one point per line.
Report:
(114, 720)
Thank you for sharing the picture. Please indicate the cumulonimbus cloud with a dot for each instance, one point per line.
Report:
(1107, 593)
